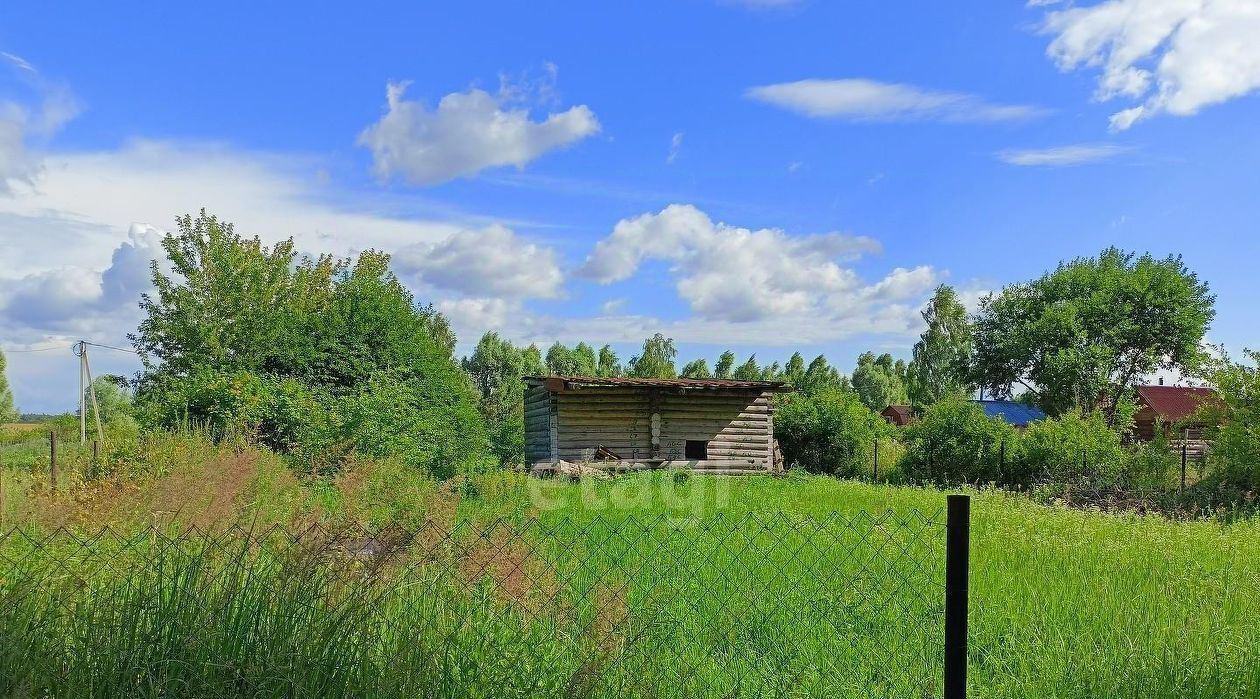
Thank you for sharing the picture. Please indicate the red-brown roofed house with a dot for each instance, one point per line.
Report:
(1169, 405)
(899, 415)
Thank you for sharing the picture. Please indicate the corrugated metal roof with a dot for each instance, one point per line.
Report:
(1175, 402)
(1013, 412)
(571, 382)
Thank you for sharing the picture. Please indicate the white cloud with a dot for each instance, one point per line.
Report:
(869, 100)
(728, 274)
(1060, 156)
(22, 123)
(75, 245)
(675, 144)
(83, 300)
(468, 132)
(1176, 56)
(492, 261)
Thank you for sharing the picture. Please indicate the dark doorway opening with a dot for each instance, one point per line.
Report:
(696, 450)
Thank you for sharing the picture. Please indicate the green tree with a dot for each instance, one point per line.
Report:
(1235, 420)
(725, 365)
(820, 376)
(696, 369)
(794, 372)
(748, 371)
(772, 372)
(585, 362)
(656, 360)
(561, 361)
(496, 367)
(942, 355)
(609, 364)
(243, 336)
(877, 382)
(534, 365)
(1078, 337)
(8, 412)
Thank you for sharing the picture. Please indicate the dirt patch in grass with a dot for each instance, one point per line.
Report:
(520, 577)
(204, 495)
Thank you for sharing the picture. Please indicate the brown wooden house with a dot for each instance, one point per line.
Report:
(716, 425)
(1174, 407)
(899, 415)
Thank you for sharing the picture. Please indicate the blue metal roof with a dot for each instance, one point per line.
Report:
(1012, 412)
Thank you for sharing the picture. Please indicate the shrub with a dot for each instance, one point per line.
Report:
(953, 441)
(1236, 451)
(1150, 465)
(416, 418)
(1070, 448)
(828, 432)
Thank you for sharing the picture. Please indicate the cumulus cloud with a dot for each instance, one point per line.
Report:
(466, 133)
(490, 262)
(74, 250)
(83, 300)
(25, 122)
(731, 274)
(859, 99)
(1061, 156)
(1174, 56)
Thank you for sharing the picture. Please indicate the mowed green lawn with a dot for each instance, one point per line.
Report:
(657, 585)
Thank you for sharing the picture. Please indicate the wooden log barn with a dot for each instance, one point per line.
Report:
(712, 425)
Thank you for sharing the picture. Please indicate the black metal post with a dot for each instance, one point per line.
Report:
(1183, 465)
(957, 563)
(875, 471)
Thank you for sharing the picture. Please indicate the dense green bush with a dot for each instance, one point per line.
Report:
(953, 441)
(415, 419)
(1236, 451)
(1070, 448)
(830, 431)
(311, 357)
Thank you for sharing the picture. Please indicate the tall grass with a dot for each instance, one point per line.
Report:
(650, 585)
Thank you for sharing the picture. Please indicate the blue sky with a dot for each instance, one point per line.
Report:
(766, 176)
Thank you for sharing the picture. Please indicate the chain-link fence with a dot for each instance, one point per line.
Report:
(611, 606)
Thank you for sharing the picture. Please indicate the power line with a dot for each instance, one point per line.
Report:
(110, 347)
(41, 349)
(69, 346)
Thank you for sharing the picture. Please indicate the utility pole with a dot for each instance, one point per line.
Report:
(87, 390)
(80, 348)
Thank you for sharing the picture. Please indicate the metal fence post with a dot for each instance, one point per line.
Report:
(957, 563)
(52, 459)
(1183, 465)
(875, 470)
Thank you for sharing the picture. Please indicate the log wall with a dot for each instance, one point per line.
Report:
(539, 416)
(642, 424)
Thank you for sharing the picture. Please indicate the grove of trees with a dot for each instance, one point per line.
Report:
(323, 358)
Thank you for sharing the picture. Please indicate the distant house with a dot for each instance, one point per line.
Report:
(899, 415)
(1016, 414)
(715, 425)
(1169, 405)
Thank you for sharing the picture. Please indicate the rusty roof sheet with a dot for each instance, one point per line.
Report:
(1175, 402)
(571, 382)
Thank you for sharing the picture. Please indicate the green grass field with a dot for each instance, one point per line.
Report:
(648, 585)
